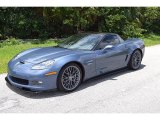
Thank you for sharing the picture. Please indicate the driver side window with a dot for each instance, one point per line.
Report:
(108, 40)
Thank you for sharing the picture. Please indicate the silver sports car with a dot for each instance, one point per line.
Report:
(74, 60)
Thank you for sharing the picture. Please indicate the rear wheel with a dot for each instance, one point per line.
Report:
(135, 60)
(69, 77)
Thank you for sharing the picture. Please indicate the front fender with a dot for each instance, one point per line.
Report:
(87, 61)
(134, 44)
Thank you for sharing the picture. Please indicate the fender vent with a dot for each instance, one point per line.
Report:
(126, 57)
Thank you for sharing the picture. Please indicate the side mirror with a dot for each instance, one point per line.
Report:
(108, 47)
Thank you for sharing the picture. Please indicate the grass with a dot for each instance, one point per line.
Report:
(151, 40)
(9, 51)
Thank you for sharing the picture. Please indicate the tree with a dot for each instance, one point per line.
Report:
(45, 22)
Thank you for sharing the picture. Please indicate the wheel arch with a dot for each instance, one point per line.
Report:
(132, 54)
(79, 64)
(139, 50)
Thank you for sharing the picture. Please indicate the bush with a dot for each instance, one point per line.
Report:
(132, 30)
(10, 42)
(1, 45)
(2, 37)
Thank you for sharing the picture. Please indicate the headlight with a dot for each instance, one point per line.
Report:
(43, 65)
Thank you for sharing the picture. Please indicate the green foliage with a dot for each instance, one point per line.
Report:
(152, 20)
(44, 41)
(151, 39)
(132, 30)
(13, 41)
(10, 42)
(44, 23)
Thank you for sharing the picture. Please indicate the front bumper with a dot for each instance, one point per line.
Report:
(35, 81)
(25, 89)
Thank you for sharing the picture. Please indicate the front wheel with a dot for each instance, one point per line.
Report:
(135, 60)
(69, 77)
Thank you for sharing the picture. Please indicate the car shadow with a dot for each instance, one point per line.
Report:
(84, 85)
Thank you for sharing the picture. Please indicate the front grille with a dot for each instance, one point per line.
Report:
(19, 80)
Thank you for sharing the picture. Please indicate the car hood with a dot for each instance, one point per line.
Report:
(42, 54)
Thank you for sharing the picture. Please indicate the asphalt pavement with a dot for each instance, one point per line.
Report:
(123, 91)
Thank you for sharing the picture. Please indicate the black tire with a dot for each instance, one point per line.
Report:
(61, 81)
(135, 60)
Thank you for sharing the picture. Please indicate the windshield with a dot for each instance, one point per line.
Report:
(81, 41)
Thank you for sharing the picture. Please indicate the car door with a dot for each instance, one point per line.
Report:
(111, 58)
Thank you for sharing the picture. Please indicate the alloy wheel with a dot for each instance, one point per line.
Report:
(71, 77)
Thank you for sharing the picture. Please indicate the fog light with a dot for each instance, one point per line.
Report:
(36, 82)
